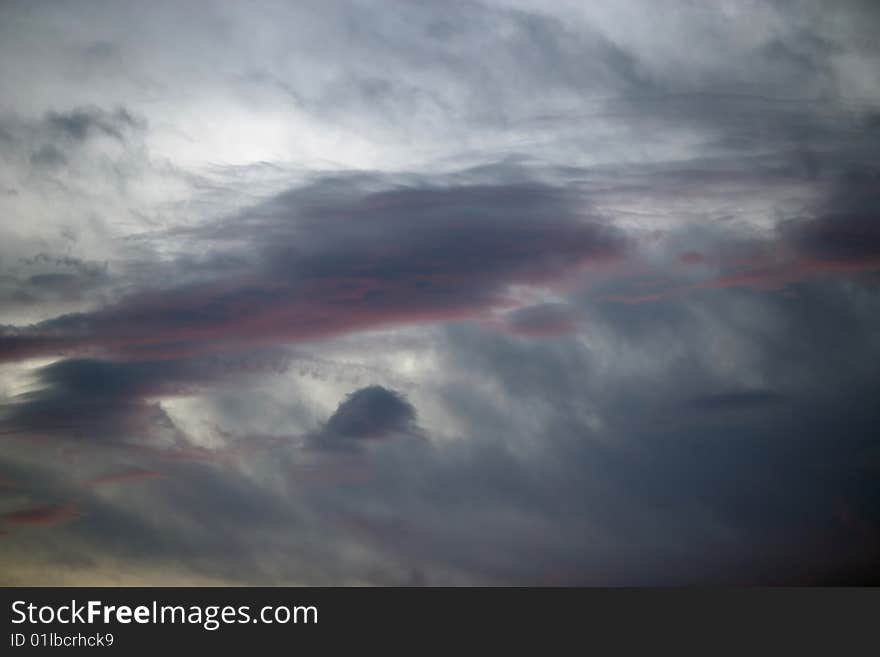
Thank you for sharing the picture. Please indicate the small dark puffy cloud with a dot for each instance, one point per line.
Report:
(368, 414)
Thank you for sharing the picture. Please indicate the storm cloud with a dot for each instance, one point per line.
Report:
(487, 293)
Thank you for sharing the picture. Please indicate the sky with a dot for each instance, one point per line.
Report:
(439, 293)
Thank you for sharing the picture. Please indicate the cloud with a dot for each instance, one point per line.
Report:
(841, 239)
(847, 231)
(542, 320)
(336, 260)
(742, 400)
(129, 474)
(251, 264)
(692, 258)
(68, 142)
(95, 401)
(833, 236)
(369, 414)
(83, 122)
(118, 402)
(42, 516)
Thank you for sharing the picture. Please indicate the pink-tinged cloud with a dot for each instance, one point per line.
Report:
(42, 516)
(834, 244)
(390, 259)
(770, 277)
(780, 276)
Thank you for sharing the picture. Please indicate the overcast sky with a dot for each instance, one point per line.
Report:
(422, 292)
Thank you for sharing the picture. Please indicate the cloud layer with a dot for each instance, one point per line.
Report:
(490, 293)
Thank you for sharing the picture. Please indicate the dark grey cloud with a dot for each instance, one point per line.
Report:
(369, 414)
(489, 293)
(749, 460)
(335, 259)
(847, 230)
(741, 400)
(91, 400)
(114, 402)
